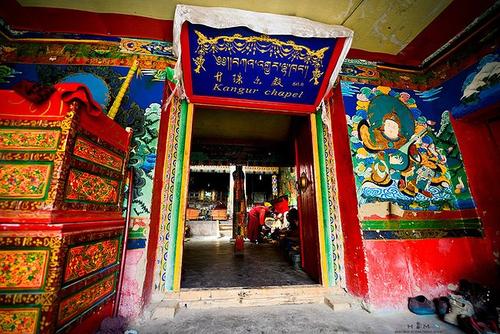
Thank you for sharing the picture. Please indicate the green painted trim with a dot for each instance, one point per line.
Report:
(176, 199)
(324, 191)
(421, 224)
(139, 234)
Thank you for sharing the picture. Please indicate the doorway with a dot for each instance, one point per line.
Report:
(270, 148)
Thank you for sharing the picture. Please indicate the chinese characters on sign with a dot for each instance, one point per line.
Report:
(240, 63)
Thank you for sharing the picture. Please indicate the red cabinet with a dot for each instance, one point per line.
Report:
(62, 173)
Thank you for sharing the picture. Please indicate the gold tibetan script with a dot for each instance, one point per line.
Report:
(263, 44)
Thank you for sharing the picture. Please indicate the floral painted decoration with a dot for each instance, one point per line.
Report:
(86, 259)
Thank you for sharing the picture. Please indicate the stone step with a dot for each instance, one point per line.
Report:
(244, 297)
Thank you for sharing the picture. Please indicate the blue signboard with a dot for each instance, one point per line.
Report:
(240, 63)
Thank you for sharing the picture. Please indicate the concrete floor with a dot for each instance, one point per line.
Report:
(211, 263)
(308, 318)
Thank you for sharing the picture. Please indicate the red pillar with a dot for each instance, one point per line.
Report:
(355, 262)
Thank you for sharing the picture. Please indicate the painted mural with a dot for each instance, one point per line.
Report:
(143, 158)
(140, 110)
(287, 184)
(403, 150)
(480, 88)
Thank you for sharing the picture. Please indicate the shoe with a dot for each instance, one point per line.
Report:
(421, 305)
(458, 306)
(442, 306)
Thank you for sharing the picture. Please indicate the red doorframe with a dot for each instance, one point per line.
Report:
(311, 262)
(154, 222)
(308, 214)
(355, 262)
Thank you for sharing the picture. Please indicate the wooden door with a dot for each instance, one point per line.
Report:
(308, 215)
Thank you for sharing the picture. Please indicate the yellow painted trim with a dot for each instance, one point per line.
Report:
(399, 69)
(179, 246)
(319, 203)
(123, 89)
(164, 191)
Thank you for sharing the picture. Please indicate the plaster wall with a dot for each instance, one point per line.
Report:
(401, 262)
(399, 269)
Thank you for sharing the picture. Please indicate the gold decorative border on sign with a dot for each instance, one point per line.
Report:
(251, 44)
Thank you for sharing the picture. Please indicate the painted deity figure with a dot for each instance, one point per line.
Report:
(413, 163)
(386, 142)
(430, 169)
(403, 159)
(395, 150)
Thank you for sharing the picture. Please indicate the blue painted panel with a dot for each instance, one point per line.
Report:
(240, 63)
(404, 149)
(136, 243)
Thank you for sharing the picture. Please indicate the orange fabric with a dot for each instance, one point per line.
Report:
(281, 205)
(14, 105)
(256, 218)
(70, 91)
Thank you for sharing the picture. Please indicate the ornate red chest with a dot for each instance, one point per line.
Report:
(62, 173)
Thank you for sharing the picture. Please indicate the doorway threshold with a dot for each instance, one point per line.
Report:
(251, 296)
(207, 298)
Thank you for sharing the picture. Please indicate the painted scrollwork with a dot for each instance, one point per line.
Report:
(259, 44)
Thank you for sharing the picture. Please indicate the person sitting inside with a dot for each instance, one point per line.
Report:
(293, 223)
(256, 219)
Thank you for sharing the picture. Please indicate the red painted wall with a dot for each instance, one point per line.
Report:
(479, 142)
(401, 268)
(387, 272)
(398, 269)
(308, 214)
(355, 265)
